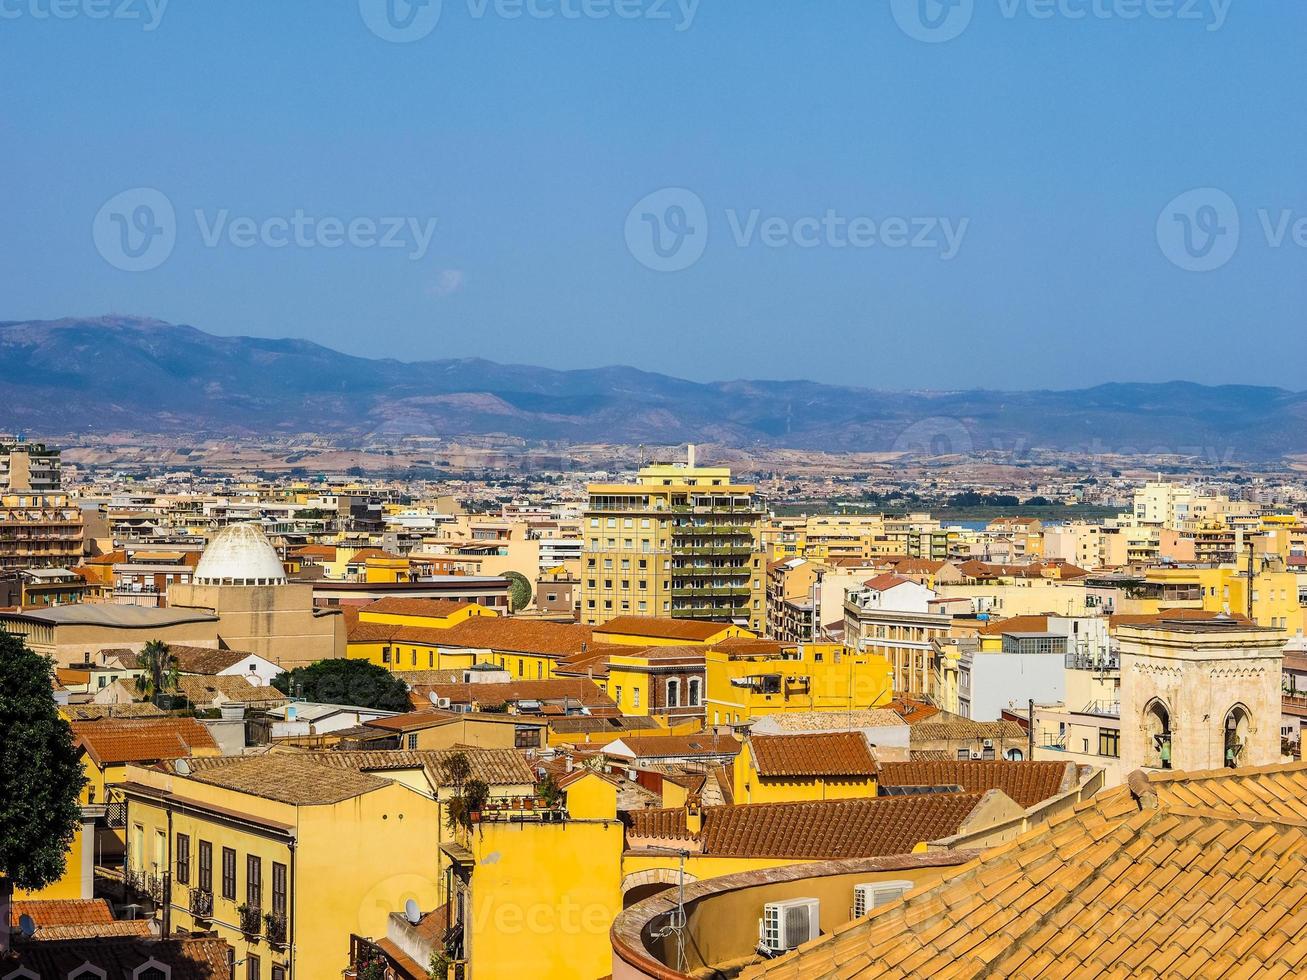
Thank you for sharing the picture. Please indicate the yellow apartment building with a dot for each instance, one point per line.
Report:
(745, 682)
(281, 857)
(793, 768)
(683, 541)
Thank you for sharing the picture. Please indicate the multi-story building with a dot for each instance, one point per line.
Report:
(893, 618)
(682, 541)
(39, 530)
(29, 466)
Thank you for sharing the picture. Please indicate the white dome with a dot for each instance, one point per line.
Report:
(239, 555)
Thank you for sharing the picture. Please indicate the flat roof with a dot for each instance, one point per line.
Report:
(112, 614)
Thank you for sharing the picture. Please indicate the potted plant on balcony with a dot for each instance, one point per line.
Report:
(274, 927)
(249, 917)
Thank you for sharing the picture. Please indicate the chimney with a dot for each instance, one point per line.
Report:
(694, 814)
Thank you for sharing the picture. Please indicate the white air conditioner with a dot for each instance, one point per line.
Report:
(989, 743)
(872, 895)
(442, 702)
(788, 925)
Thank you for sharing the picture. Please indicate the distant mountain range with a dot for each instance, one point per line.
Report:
(140, 375)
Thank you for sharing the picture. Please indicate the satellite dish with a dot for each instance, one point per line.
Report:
(183, 767)
(412, 912)
(26, 926)
(434, 698)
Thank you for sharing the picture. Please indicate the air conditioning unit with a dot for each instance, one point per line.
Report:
(442, 702)
(788, 925)
(975, 755)
(872, 895)
(989, 743)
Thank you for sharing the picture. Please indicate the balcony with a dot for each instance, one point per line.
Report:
(201, 903)
(1110, 663)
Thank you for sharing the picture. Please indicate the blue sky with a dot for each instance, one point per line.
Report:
(1050, 145)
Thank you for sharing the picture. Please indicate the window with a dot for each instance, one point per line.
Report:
(635, 698)
(964, 753)
(183, 859)
(692, 697)
(540, 669)
(254, 881)
(206, 866)
(278, 889)
(278, 972)
(673, 693)
(138, 846)
(521, 667)
(1109, 742)
(431, 659)
(229, 873)
(385, 655)
(412, 741)
(252, 967)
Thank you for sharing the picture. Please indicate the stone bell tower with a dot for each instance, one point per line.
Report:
(1199, 694)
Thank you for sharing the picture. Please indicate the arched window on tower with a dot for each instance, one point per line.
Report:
(1238, 725)
(1157, 735)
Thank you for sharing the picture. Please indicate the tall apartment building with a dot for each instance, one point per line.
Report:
(28, 466)
(39, 530)
(682, 541)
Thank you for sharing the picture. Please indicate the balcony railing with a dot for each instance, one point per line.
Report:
(1103, 709)
(201, 903)
(1089, 661)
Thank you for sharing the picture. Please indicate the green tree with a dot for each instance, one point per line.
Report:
(158, 669)
(519, 591)
(340, 681)
(40, 774)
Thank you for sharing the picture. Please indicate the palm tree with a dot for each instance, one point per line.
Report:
(158, 670)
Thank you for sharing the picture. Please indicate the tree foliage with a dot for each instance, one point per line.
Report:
(519, 591)
(158, 668)
(40, 774)
(351, 682)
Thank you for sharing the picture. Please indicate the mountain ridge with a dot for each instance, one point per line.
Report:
(127, 373)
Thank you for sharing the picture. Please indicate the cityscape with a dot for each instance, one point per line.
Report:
(652, 490)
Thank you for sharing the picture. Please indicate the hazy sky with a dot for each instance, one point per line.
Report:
(859, 196)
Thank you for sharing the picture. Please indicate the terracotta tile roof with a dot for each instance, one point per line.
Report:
(400, 606)
(101, 930)
(679, 746)
(948, 727)
(496, 767)
(90, 712)
(372, 554)
(661, 627)
(413, 721)
(1016, 624)
(286, 778)
(1026, 782)
(314, 551)
(1128, 884)
(113, 740)
(517, 636)
(1164, 615)
(66, 912)
(830, 754)
(743, 646)
(206, 689)
(185, 959)
(886, 581)
(829, 721)
(913, 711)
(813, 830)
(206, 660)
